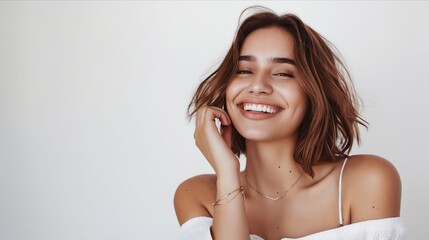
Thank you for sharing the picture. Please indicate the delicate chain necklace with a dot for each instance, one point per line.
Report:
(269, 197)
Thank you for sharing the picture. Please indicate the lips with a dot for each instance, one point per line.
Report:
(258, 110)
(259, 106)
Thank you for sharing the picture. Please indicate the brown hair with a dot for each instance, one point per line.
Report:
(331, 123)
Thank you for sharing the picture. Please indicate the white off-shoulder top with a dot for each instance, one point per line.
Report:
(198, 228)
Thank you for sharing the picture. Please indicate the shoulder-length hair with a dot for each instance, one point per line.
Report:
(331, 123)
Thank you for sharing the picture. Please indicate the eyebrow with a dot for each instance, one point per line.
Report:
(251, 58)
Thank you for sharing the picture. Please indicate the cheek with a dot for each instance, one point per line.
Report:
(232, 91)
(294, 95)
(301, 110)
(297, 101)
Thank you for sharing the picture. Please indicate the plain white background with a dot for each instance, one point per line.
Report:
(93, 96)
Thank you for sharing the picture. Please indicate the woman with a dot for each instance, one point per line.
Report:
(283, 101)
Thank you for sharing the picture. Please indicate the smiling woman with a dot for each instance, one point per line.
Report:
(284, 101)
(265, 77)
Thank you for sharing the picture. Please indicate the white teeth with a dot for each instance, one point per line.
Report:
(258, 108)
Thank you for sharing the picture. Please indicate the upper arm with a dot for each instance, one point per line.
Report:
(374, 188)
(192, 196)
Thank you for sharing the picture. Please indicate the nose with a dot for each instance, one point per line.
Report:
(260, 85)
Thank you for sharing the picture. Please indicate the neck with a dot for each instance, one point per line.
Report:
(270, 166)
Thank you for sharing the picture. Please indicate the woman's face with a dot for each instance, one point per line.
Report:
(264, 99)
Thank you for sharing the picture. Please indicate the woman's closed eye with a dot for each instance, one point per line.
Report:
(284, 74)
(244, 72)
(280, 74)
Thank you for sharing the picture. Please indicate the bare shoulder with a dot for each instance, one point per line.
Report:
(193, 197)
(373, 186)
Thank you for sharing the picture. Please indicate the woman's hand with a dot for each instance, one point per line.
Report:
(215, 146)
(229, 221)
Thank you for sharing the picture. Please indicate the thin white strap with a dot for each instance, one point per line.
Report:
(340, 210)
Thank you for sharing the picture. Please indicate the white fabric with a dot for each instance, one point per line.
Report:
(198, 228)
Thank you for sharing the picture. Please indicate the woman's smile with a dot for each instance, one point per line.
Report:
(258, 111)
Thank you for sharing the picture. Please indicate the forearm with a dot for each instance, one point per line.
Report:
(229, 218)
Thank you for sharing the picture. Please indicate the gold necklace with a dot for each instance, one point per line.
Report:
(269, 197)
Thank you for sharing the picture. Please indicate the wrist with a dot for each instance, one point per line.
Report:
(229, 167)
(228, 180)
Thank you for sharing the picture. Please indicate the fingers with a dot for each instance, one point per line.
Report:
(206, 127)
(210, 113)
(214, 143)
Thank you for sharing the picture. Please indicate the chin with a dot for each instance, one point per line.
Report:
(254, 134)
